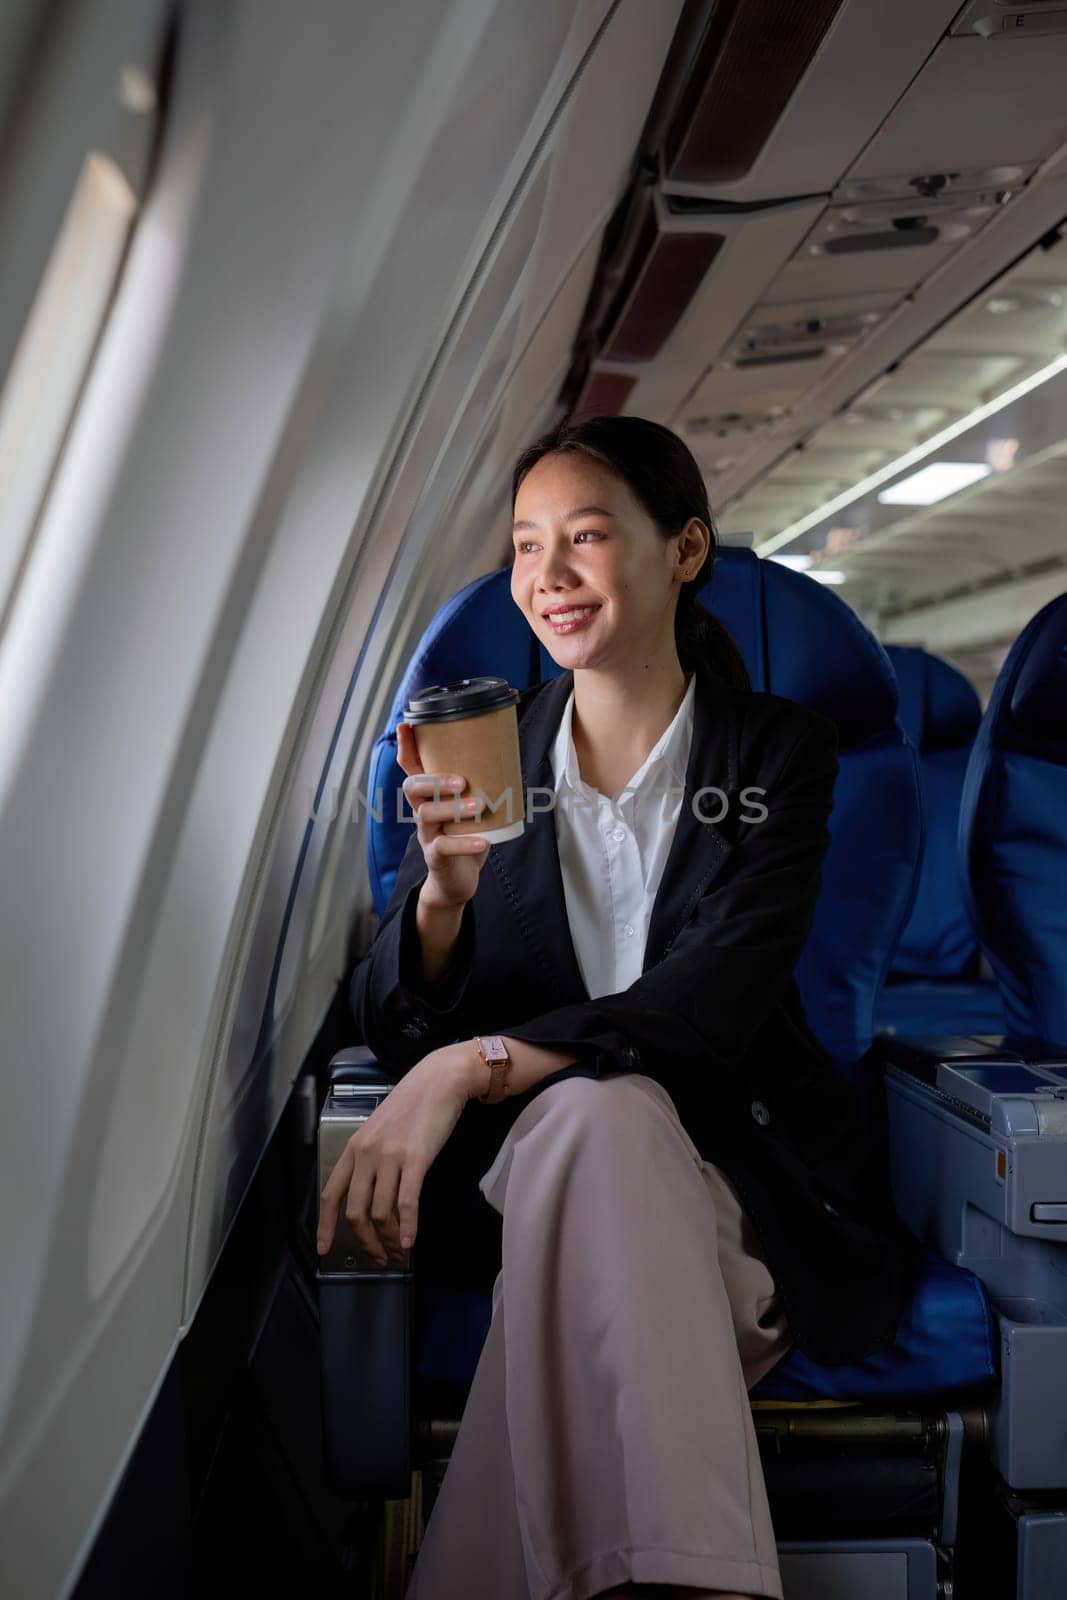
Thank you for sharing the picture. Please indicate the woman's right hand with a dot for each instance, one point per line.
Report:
(453, 861)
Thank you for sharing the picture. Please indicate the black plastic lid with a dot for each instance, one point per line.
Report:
(465, 697)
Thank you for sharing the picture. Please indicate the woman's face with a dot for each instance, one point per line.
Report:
(582, 541)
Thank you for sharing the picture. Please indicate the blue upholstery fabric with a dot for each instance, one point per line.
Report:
(801, 641)
(940, 712)
(932, 986)
(945, 1342)
(1013, 828)
(939, 709)
(948, 1006)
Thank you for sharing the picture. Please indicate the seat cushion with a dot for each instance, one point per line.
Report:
(944, 1342)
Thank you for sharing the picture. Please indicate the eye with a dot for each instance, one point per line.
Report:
(591, 533)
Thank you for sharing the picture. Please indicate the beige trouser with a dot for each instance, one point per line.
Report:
(607, 1437)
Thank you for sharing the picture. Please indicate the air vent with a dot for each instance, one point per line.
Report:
(768, 337)
(981, 185)
(913, 212)
(732, 422)
(899, 239)
(753, 55)
(665, 272)
(781, 357)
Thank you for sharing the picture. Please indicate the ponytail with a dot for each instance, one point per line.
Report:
(699, 636)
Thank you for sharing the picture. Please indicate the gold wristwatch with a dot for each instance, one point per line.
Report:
(491, 1048)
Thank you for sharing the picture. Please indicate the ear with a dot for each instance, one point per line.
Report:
(693, 542)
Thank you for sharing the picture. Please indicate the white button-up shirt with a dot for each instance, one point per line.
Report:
(612, 852)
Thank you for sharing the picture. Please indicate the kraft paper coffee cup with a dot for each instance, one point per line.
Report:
(471, 727)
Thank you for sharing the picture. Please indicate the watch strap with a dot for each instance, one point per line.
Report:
(498, 1061)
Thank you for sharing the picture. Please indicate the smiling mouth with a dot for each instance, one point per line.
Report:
(571, 619)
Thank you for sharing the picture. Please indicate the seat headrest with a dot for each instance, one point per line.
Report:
(1034, 716)
(801, 640)
(1011, 826)
(478, 633)
(939, 708)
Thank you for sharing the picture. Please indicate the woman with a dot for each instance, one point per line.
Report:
(676, 1171)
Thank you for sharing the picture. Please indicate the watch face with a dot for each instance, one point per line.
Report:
(493, 1046)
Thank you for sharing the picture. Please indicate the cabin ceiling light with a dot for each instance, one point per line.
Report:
(1007, 304)
(911, 458)
(798, 563)
(933, 483)
(826, 575)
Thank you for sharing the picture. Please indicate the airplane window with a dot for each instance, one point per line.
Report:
(54, 353)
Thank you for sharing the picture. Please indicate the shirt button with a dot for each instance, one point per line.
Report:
(619, 835)
(760, 1113)
(628, 931)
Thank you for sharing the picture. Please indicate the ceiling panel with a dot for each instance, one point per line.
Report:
(953, 115)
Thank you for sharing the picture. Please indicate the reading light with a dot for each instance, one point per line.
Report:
(933, 483)
(911, 457)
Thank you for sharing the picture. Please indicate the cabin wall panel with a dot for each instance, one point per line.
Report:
(310, 283)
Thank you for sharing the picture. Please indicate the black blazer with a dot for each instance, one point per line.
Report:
(716, 1017)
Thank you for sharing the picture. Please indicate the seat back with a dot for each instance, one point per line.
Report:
(940, 712)
(1013, 828)
(798, 640)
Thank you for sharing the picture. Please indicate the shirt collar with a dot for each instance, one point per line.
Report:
(671, 748)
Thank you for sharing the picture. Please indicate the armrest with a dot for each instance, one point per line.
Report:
(978, 1136)
(364, 1318)
(358, 1064)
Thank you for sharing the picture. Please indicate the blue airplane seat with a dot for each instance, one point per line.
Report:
(934, 985)
(1013, 833)
(801, 641)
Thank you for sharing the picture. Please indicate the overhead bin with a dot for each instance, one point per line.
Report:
(697, 315)
(782, 95)
(769, 265)
(750, 58)
(725, 221)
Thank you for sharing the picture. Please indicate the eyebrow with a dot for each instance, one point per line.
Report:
(579, 511)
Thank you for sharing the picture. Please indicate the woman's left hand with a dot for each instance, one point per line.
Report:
(379, 1176)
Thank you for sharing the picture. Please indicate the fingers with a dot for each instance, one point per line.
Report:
(407, 1205)
(383, 1209)
(434, 789)
(349, 1185)
(432, 818)
(380, 1205)
(407, 750)
(333, 1193)
(431, 814)
(357, 1212)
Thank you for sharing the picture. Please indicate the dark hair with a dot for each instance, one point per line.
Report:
(660, 469)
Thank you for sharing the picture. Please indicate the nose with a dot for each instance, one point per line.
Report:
(553, 569)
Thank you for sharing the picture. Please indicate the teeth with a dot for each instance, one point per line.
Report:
(570, 616)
